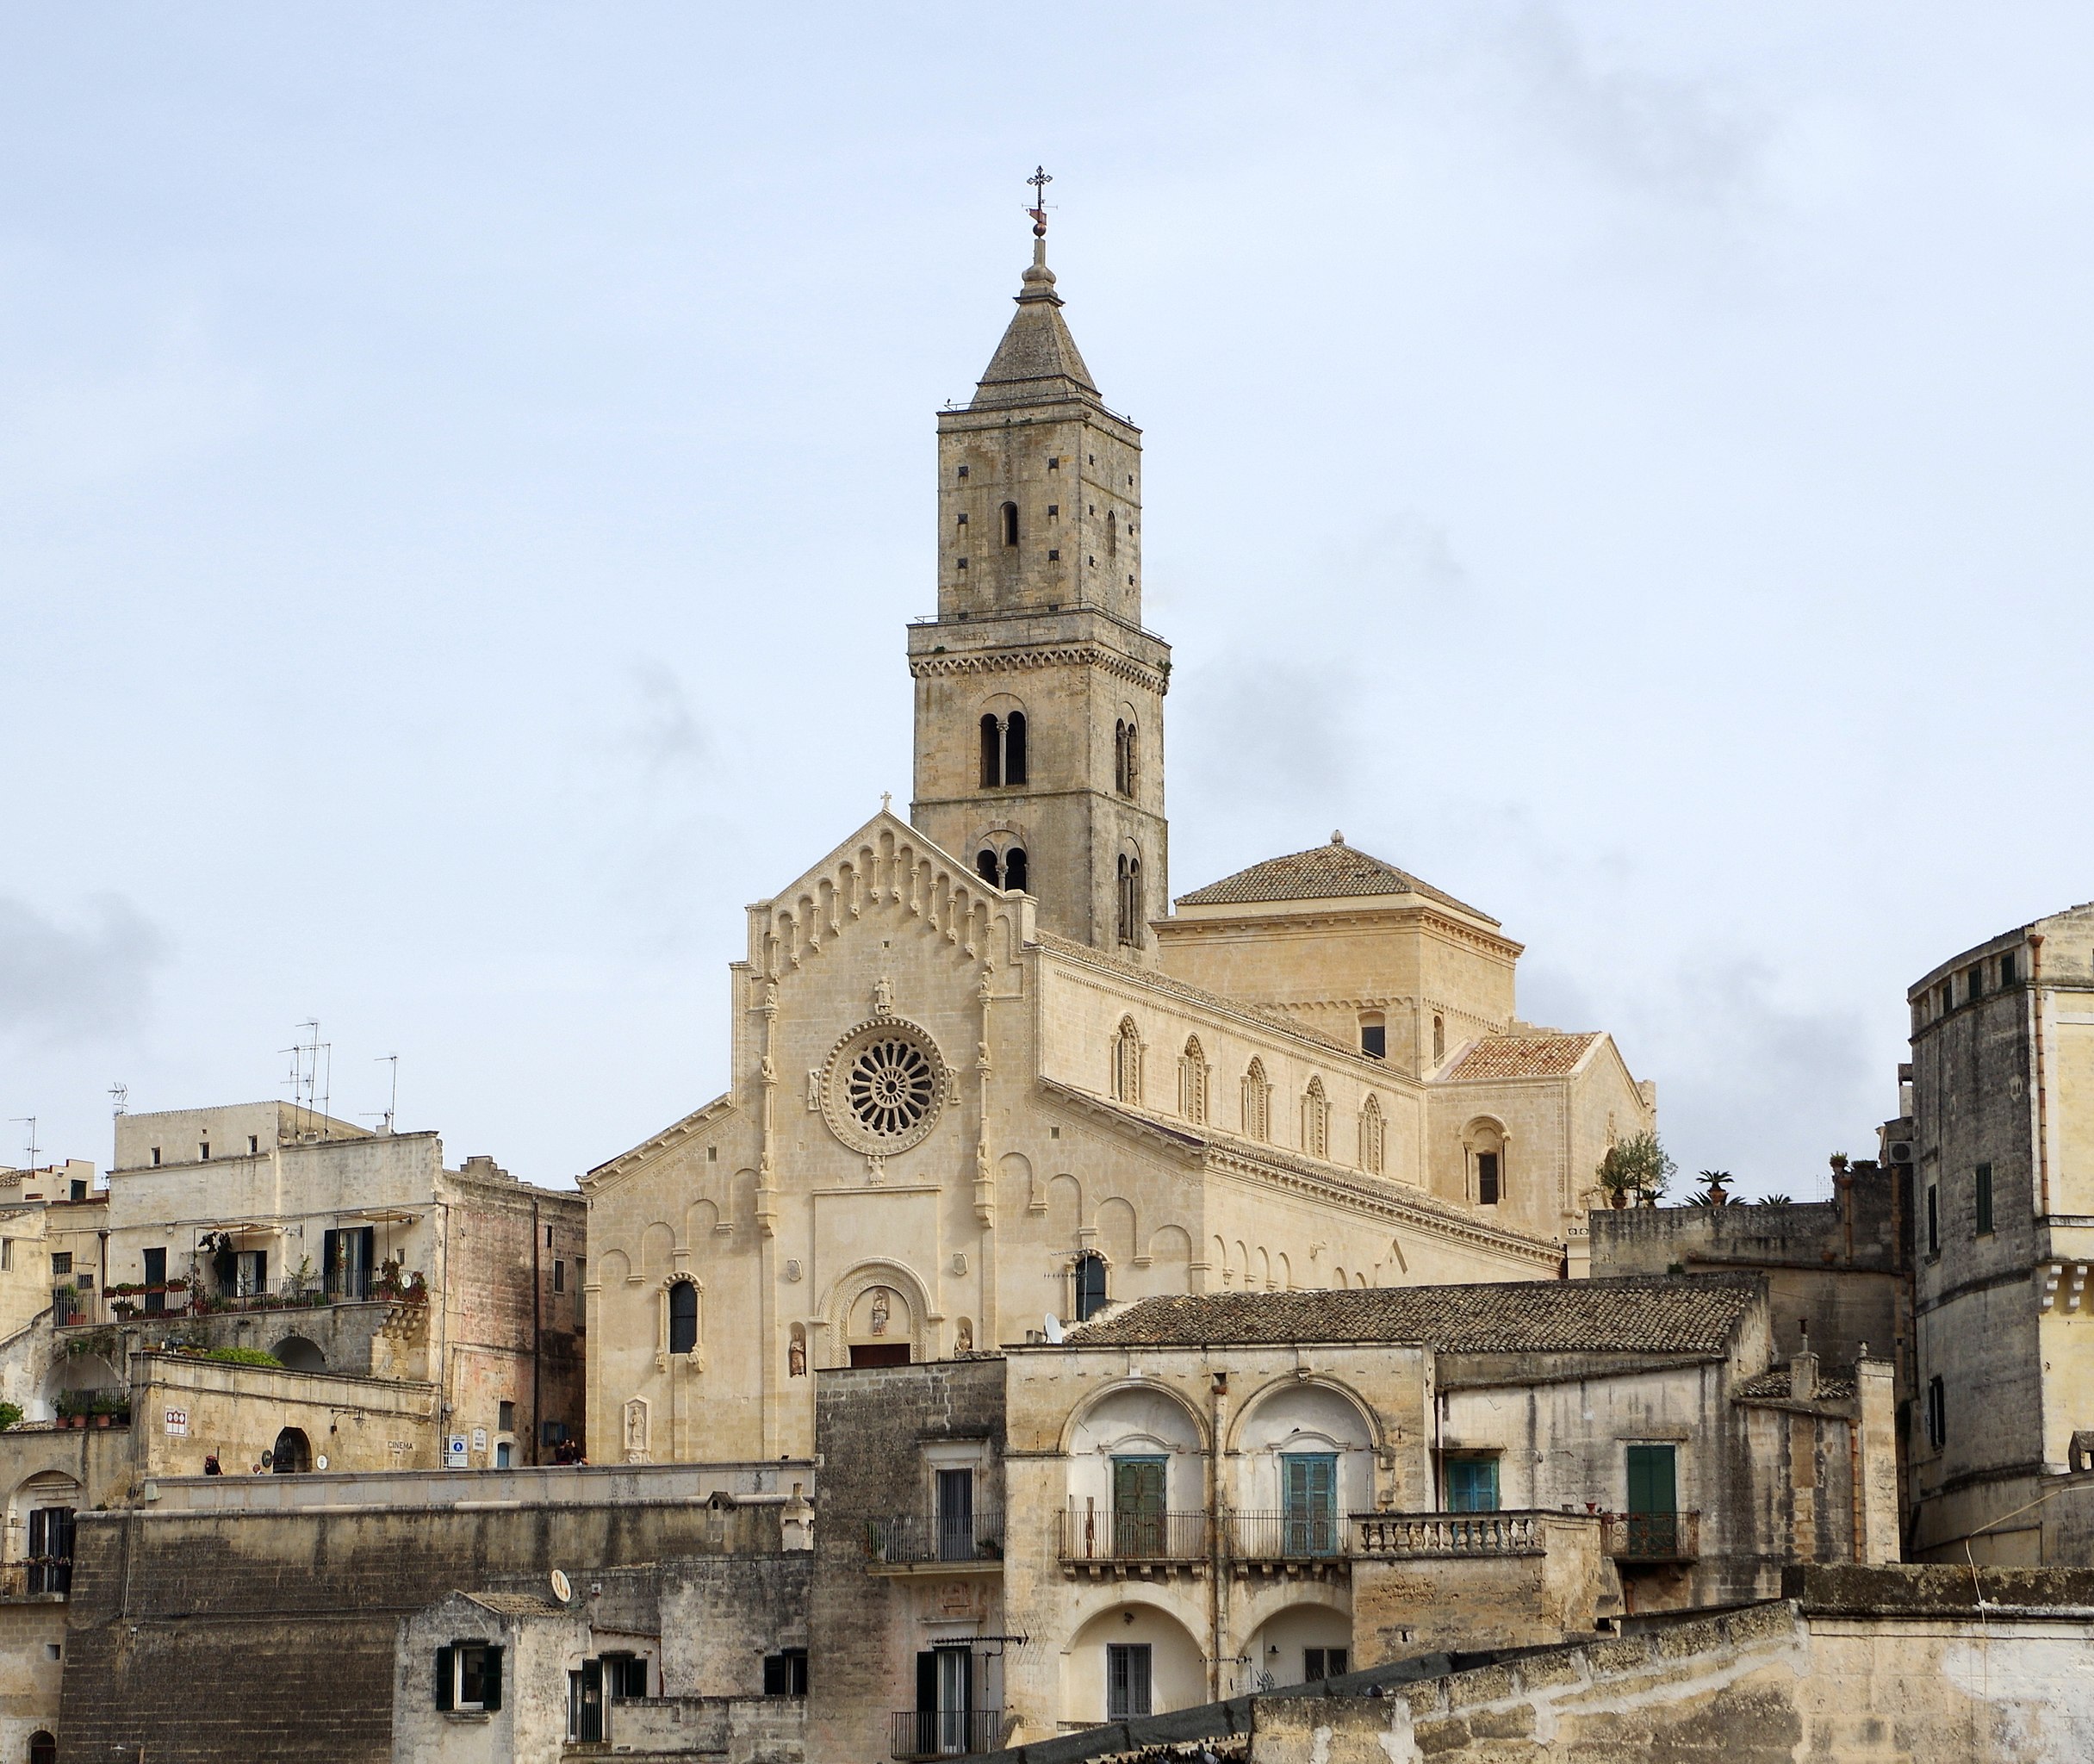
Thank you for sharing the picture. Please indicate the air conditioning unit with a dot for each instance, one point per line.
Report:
(1900, 1152)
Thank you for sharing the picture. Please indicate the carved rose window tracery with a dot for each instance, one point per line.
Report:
(883, 1087)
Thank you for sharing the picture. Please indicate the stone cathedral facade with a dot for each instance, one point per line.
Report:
(983, 1083)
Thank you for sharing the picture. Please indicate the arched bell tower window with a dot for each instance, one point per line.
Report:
(1439, 1040)
(1124, 756)
(1002, 749)
(1112, 534)
(1130, 915)
(1011, 522)
(1003, 869)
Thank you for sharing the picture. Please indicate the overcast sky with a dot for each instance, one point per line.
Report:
(464, 471)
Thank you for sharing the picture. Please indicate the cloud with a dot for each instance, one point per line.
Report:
(664, 733)
(65, 981)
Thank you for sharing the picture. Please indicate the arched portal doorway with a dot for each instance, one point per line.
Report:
(292, 1455)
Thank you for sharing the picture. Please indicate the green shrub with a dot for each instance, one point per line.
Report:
(10, 1415)
(242, 1357)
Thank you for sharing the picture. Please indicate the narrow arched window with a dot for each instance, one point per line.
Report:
(683, 1318)
(1014, 875)
(1118, 756)
(1112, 534)
(1133, 740)
(1120, 912)
(985, 867)
(1014, 747)
(1011, 522)
(1257, 1095)
(1439, 1040)
(1136, 916)
(992, 752)
(1371, 1137)
(1192, 1082)
(1315, 1121)
(1089, 1285)
(1126, 1062)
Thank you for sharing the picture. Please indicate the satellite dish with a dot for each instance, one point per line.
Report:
(563, 1589)
(1053, 1327)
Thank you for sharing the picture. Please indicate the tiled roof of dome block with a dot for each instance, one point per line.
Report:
(1332, 872)
(1522, 1056)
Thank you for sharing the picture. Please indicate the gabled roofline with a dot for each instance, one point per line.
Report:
(610, 1173)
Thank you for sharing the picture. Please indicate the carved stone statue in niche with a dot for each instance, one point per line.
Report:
(963, 1337)
(879, 1310)
(635, 1431)
(883, 997)
(795, 1355)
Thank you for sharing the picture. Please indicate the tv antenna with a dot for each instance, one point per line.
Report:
(311, 1078)
(30, 1121)
(120, 1099)
(392, 1107)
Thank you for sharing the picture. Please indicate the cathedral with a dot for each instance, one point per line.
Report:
(988, 1077)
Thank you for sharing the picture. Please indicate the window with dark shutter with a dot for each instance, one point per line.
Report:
(444, 1668)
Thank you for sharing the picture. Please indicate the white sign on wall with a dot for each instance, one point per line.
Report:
(178, 1422)
(454, 1452)
(480, 1439)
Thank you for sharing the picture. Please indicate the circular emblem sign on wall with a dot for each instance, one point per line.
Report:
(883, 1087)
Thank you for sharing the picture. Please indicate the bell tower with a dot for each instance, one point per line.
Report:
(1038, 697)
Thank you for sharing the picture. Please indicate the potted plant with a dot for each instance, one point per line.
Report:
(1715, 1190)
(1635, 1168)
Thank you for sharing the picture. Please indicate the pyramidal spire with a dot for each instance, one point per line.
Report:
(1037, 361)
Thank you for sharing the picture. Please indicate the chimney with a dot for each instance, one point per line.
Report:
(1802, 1376)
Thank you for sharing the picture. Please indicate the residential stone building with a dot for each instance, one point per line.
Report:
(981, 1079)
(1198, 1498)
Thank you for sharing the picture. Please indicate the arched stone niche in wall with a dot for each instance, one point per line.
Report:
(880, 1305)
(1137, 1421)
(1306, 1418)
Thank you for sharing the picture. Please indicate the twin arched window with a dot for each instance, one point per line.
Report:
(1002, 749)
(683, 1318)
(1372, 1137)
(1131, 915)
(1005, 869)
(1316, 1121)
(1126, 1062)
(1257, 1102)
(1192, 1082)
(1125, 756)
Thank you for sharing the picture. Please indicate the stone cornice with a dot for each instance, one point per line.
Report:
(607, 1175)
(1014, 660)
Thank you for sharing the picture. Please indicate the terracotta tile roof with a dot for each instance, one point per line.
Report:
(1522, 1056)
(516, 1604)
(1772, 1386)
(1696, 1316)
(1332, 872)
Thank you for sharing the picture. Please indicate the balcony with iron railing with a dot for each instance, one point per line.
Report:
(1302, 1536)
(1133, 1539)
(946, 1733)
(943, 1541)
(36, 1578)
(1654, 1539)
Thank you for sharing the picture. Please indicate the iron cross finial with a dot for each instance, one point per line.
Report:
(1039, 180)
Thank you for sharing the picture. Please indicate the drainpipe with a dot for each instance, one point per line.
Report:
(538, 1427)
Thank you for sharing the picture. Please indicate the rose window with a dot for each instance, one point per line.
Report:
(882, 1087)
(892, 1087)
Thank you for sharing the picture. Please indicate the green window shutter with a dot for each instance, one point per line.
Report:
(1653, 1486)
(443, 1678)
(490, 1695)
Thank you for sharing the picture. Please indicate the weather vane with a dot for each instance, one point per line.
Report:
(1039, 180)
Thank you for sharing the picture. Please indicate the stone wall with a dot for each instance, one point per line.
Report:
(1561, 1587)
(873, 1424)
(246, 1633)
